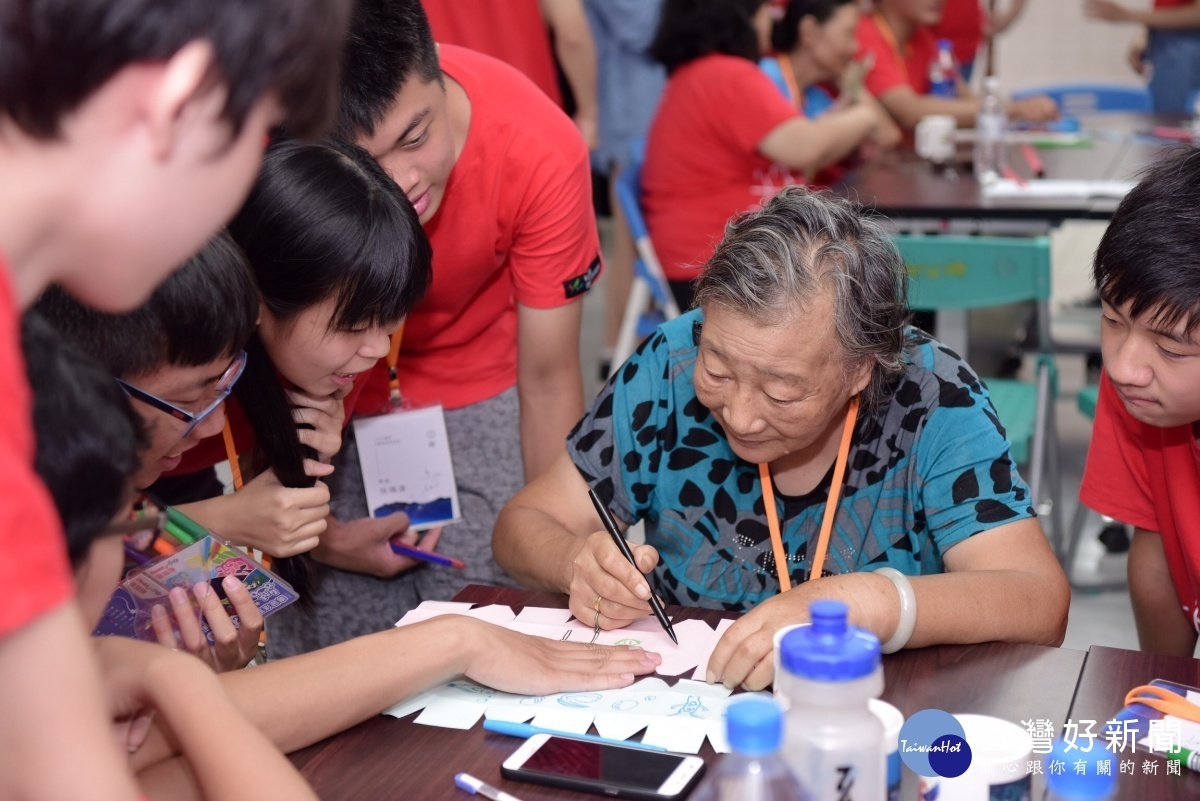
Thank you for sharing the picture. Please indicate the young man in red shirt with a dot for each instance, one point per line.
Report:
(898, 38)
(1143, 466)
(129, 131)
(500, 179)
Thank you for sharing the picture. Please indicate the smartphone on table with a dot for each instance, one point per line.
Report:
(611, 770)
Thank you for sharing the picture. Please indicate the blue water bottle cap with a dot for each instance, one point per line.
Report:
(1064, 778)
(754, 726)
(829, 649)
(945, 44)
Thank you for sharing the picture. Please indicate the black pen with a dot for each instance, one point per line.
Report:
(611, 525)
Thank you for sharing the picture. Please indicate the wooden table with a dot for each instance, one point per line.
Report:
(1109, 673)
(388, 758)
(902, 186)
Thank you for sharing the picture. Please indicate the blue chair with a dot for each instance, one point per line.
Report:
(976, 272)
(649, 283)
(1075, 99)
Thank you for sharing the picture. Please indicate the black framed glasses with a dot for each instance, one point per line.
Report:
(224, 387)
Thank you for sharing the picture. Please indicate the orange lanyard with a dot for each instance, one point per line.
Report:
(393, 359)
(1165, 701)
(231, 452)
(236, 468)
(789, 78)
(889, 36)
(831, 503)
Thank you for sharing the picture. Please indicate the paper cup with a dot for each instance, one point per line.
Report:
(934, 138)
(1000, 757)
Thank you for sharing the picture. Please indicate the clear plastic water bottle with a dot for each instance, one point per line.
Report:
(828, 673)
(754, 771)
(943, 71)
(990, 125)
(1075, 774)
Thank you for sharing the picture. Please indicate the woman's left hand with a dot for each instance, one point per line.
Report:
(326, 415)
(745, 654)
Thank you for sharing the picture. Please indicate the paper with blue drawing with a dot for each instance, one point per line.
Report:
(677, 717)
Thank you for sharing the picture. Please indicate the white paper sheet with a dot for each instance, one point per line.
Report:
(696, 639)
(1053, 189)
(676, 717)
(406, 466)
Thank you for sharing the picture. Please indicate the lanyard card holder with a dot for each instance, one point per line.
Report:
(406, 466)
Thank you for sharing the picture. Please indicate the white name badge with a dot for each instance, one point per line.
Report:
(406, 466)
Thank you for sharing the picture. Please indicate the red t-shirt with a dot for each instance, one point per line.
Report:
(892, 69)
(512, 31)
(1148, 477)
(515, 226)
(1172, 3)
(962, 24)
(34, 570)
(211, 451)
(702, 160)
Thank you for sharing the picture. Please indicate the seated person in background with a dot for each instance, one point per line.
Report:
(723, 138)
(815, 46)
(800, 321)
(87, 449)
(898, 38)
(1142, 465)
(339, 258)
(178, 356)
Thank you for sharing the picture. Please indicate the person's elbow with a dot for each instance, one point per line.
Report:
(1051, 606)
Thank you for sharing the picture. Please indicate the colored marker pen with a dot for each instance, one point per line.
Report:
(428, 556)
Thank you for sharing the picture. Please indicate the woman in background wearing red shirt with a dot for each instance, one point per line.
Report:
(724, 139)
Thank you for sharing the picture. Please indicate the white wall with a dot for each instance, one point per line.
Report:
(1052, 42)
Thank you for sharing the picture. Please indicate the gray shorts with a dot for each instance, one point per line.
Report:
(485, 444)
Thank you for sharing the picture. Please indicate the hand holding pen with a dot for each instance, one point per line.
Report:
(637, 584)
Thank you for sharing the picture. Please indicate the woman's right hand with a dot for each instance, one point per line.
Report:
(282, 521)
(599, 572)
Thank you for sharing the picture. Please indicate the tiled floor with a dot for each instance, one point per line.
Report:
(1096, 618)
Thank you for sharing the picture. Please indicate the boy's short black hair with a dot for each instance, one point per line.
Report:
(87, 435)
(1150, 254)
(692, 29)
(389, 42)
(203, 311)
(55, 53)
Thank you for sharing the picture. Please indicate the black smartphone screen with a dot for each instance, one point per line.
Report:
(596, 762)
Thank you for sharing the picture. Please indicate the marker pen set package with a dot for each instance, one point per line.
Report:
(207, 560)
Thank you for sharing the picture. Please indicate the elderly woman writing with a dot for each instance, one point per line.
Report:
(794, 390)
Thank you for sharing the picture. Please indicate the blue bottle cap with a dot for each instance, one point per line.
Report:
(754, 726)
(1063, 776)
(829, 649)
(945, 44)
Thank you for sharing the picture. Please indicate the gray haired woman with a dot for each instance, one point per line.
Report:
(794, 387)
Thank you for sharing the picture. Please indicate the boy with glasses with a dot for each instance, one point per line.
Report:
(129, 131)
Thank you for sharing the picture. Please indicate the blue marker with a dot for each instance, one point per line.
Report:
(428, 556)
(524, 730)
